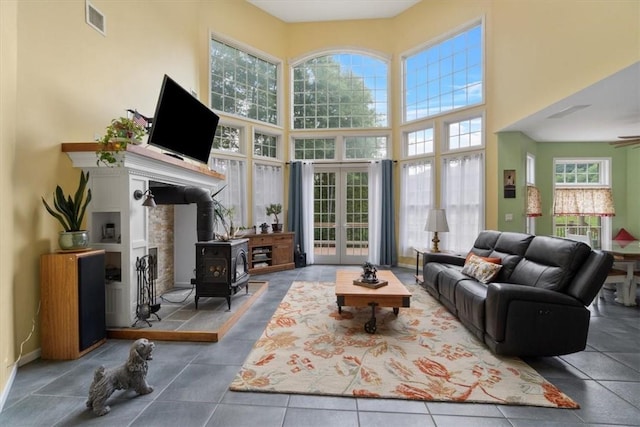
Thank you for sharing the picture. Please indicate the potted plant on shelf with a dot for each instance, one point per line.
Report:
(70, 213)
(120, 133)
(275, 209)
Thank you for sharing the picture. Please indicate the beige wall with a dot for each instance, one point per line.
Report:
(8, 76)
(71, 81)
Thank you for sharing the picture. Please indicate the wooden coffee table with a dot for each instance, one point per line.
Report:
(395, 294)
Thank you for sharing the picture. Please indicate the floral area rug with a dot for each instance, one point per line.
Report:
(424, 353)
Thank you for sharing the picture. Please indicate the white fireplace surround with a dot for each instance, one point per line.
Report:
(112, 202)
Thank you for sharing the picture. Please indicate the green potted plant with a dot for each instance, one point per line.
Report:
(120, 133)
(220, 216)
(70, 213)
(275, 209)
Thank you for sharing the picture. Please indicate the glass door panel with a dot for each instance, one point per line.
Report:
(341, 230)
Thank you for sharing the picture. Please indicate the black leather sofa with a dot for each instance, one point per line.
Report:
(537, 303)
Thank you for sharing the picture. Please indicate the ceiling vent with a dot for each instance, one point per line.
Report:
(95, 18)
(569, 110)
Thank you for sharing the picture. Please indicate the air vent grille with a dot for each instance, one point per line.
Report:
(96, 19)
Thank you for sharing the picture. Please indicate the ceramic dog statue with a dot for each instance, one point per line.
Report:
(130, 375)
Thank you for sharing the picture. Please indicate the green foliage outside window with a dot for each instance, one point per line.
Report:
(339, 91)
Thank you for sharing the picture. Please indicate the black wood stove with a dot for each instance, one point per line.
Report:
(222, 269)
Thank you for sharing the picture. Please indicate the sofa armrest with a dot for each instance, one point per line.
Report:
(501, 295)
(443, 258)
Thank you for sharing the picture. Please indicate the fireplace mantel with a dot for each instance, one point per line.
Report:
(113, 204)
(145, 161)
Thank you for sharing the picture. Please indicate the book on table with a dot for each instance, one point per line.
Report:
(371, 285)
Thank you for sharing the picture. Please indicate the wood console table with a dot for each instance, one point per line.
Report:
(270, 252)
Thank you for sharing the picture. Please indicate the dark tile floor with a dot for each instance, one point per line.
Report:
(191, 383)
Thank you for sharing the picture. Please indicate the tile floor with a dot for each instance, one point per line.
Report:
(191, 381)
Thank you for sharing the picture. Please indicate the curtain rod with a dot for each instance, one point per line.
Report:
(364, 162)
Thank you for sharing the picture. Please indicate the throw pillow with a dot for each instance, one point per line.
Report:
(495, 260)
(624, 235)
(480, 269)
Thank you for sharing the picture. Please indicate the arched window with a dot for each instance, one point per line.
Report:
(340, 91)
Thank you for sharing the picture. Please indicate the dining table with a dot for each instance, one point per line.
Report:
(626, 254)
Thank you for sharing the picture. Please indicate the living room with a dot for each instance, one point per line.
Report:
(62, 81)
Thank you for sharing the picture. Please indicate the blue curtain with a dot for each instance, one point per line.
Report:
(388, 253)
(295, 220)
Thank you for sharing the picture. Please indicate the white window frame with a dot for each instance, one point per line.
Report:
(431, 43)
(269, 132)
(605, 177)
(261, 55)
(530, 172)
(411, 239)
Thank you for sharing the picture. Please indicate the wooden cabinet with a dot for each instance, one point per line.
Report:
(270, 252)
(72, 293)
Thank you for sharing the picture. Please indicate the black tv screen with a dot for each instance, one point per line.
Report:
(182, 124)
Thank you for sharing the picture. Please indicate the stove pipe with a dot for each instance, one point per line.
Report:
(188, 195)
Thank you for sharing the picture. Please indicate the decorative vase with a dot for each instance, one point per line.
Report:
(276, 228)
(73, 240)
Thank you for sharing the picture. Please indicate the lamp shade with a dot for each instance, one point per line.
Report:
(436, 221)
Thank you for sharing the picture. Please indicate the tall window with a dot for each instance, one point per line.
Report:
(268, 184)
(234, 195)
(444, 76)
(416, 198)
(463, 198)
(531, 182)
(243, 84)
(582, 199)
(338, 91)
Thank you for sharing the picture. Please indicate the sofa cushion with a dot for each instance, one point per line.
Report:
(550, 263)
(447, 282)
(470, 298)
(479, 269)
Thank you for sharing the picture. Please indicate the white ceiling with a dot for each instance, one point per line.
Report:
(612, 110)
(332, 10)
(612, 105)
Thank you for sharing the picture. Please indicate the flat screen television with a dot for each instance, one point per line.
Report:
(182, 124)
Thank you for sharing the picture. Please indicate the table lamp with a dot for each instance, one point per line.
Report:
(436, 222)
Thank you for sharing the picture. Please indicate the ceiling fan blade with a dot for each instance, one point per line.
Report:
(630, 137)
(627, 143)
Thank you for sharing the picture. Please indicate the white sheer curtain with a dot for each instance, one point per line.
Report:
(234, 195)
(268, 188)
(463, 199)
(375, 211)
(416, 198)
(308, 211)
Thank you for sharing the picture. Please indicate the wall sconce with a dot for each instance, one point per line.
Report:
(148, 201)
(436, 222)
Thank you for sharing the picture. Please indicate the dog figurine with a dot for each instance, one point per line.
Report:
(130, 375)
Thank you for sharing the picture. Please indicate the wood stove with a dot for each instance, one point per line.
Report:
(222, 269)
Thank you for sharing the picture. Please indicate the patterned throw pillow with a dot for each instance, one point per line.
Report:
(495, 260)
(480, 269)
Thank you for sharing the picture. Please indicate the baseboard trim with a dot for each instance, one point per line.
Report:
(5, 393)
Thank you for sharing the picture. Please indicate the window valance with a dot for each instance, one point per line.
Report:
(597, 201)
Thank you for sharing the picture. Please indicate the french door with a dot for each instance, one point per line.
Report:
(341, 215)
